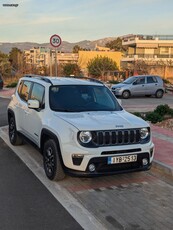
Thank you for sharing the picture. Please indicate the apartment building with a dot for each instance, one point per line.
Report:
(38, 56)
(42, 56)
(155, 53)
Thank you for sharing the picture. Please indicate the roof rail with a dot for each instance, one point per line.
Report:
(87, 78)
(31, 75)
(39, 77)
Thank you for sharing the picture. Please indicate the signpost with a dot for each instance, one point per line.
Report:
(55, 41)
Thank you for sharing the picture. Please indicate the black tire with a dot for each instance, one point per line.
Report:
(51, 160)
(14, 137)
(126, 94)
(159, 93)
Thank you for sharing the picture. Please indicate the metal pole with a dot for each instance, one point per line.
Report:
(56, 62)
(50, 62)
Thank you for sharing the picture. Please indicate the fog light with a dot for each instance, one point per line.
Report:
(92, 168)
(144, 161)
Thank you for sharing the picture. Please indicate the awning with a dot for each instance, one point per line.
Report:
(166, 45)
(146, 45)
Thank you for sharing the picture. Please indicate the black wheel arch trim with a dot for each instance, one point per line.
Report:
(49, 133)
(10, 112)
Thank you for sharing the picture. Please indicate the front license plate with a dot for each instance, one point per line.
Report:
(122, 159)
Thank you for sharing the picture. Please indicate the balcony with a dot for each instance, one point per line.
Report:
(134, 57)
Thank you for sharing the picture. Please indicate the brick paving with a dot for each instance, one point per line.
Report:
(134, 201)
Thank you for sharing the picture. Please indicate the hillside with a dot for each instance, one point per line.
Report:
(65, 46)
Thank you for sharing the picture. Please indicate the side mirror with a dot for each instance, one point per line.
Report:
(33, 104)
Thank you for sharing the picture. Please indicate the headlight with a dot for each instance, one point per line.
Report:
(144, 132)
(85, 137)
(118, 89)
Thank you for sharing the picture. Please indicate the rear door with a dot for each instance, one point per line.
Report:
(21, 105)
(152, 85)
(33, 117)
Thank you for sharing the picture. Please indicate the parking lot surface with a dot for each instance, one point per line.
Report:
(25, 202)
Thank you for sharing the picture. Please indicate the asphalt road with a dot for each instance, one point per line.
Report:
(146, 104)
(25, 202)
(3, 111)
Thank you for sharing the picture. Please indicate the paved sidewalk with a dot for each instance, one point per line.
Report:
(162, 138)
(7, 92)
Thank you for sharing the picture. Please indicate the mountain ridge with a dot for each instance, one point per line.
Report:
(5, 47)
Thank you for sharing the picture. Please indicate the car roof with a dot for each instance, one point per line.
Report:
(146, 75)
(63, 80)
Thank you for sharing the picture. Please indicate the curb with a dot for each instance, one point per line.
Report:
(163, 167)
(7, 93)
(6, 97)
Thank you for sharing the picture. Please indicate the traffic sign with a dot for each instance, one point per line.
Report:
(55, 40)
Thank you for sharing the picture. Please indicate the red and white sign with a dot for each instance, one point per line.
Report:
(55, 40)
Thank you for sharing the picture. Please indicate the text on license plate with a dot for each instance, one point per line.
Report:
(122, 159)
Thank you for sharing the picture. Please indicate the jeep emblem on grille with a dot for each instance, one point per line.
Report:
(119, 126)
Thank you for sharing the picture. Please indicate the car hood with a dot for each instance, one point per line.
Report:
(103, 120)
(119, 85)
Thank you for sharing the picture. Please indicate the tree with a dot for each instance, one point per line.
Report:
(71, 69)
(76, 49)
(5, 68)
(16, 58)
(116, 45)
(100, 66)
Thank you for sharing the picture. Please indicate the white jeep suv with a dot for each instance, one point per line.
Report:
(79, 126)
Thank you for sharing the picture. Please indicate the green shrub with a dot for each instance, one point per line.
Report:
(170, 112)
(12, 85)
(141, 115)
(138, 114)
(154, 117)
(114, 82)
(166, 81)
(162, 109)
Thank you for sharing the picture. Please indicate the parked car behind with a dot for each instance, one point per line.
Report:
(1, 82)
(141, 85)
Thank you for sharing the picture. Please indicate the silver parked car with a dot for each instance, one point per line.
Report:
(141, 85)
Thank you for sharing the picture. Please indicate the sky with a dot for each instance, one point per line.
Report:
(78, 20)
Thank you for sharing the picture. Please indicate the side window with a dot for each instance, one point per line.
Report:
(140, 81)
(151, 79)
(37, 93)
(24, 94)
(19, 88)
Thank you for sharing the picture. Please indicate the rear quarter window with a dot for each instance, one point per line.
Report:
(151, 79)
(25, 90)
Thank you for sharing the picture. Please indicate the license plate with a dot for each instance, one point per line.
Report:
(122, 159)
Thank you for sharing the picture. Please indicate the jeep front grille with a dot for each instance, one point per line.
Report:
(116, 137)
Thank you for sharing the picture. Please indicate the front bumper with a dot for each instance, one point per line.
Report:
(117, 92)
(103, 168)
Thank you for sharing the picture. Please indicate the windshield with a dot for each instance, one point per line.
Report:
(79, 98)
(129, 80)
